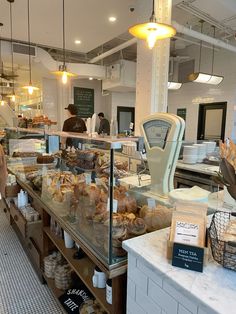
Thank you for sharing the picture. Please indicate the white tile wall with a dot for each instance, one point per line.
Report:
(150, 292)
(162, 298)
(188, 303)
(192, 94)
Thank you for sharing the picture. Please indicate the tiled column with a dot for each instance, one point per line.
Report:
(152, 65)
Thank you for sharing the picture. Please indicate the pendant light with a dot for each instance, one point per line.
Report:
(172, 85)
(1, 64)
(200, 77)
(29, 87)
(12, 96)
(62, 68)
(152, 31)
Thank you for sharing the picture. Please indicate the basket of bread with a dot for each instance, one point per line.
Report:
(222, 234)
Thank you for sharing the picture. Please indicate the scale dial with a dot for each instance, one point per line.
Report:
(156, 132)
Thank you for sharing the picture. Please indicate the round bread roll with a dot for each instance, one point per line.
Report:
(157, 218)
(131, 204)
(136, 227)
(103, 196)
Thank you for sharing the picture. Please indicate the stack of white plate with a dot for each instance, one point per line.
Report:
(190, 154)
(201, 151)
(210, 147)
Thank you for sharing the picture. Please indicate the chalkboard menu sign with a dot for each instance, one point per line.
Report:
(84, 99)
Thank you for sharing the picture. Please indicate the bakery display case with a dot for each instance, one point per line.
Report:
(90, 188)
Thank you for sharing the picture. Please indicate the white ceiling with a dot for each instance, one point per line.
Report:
(86, 20)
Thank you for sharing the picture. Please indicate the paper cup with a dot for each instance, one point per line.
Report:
(69, 242)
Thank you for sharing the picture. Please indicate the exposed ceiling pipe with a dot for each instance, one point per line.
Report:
(113, 50)
(197, 43)
(189, 32)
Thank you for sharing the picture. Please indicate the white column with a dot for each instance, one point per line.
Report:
(63, 101)
(152, 66)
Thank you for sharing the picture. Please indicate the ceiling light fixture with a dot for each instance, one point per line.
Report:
(91, 78)
(152, 31)
(174, 85)
(1, 65)
(29, 87)
(12, 96)
(206, 78)
(62, 68)
(112, 19)
(77, 41)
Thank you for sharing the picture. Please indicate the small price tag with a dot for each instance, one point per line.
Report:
(88, 178)
(151, 203)
(115, 205)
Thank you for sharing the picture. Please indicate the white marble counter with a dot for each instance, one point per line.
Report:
(213, 291)
(199, 167)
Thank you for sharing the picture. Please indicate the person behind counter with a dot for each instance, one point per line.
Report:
(104, 127)
(73, 124)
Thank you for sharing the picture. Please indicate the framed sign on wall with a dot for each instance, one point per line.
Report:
(84, 100)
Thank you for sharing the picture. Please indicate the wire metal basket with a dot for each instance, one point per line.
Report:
(224, 252)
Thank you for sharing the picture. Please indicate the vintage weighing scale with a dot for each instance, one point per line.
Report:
(163, 134)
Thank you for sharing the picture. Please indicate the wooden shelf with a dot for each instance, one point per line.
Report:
(84, 268)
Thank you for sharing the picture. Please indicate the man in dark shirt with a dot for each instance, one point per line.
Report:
(73, 124)
(104, 127)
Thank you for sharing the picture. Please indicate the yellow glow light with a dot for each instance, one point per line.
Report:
(64, 77)
(152, 32)
(2, 102)
(31, 89)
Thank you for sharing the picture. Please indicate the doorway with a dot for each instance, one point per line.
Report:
(211, 121)
(125, 115)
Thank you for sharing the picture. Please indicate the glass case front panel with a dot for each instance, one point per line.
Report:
(103, 192)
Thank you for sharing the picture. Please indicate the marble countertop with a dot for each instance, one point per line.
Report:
(215, 288)
(201, 168)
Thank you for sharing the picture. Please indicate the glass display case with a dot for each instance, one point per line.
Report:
(95, 189)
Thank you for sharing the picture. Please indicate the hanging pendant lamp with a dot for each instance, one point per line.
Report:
(2, 102)
(29, 87)
(152, 31)
(13, 95)
(206, 78)
(62, 68)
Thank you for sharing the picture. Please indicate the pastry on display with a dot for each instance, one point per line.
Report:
(26, 154)
(91, 307)
(136, 227)
(84, 159)
(42, 120)
(230, 232)
(61, 185)
(120, 168)
(156, 218)
(45, 159)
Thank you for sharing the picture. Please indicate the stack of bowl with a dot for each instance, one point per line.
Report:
(190, 154)
(201, 151)
(210, 147)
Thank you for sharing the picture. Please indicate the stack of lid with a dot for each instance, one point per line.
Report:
(190, 154)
